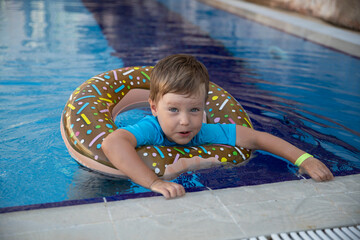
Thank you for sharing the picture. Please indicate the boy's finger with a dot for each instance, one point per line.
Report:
(164, 192)
(166, 195)
(180, 191)
(329, 176)
(176, 190)
(173, 192)
(325, 174)
(316, 177)
(168, 189)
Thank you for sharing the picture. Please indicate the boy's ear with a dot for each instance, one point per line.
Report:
(153, 107)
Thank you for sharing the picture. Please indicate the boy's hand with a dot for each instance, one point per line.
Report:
(168, 189)
(316, 170)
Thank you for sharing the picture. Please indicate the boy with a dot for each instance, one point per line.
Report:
(178, 91)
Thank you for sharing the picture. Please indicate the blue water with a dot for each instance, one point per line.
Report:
(295, 89)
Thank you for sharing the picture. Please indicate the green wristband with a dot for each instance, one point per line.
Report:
(302, 158)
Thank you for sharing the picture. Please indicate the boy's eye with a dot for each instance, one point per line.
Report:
(194, 110)
(173, 110)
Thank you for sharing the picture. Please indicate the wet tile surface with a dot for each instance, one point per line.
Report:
(215, 214)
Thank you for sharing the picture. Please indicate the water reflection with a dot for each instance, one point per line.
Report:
(45, 53)
(86, 184)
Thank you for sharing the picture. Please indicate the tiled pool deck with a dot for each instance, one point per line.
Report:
(232, 213)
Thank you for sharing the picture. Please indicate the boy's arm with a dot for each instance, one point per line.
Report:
(119, 148)
(252, 139)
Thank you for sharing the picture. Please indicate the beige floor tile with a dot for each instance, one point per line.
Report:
(103, 231)
(198, 224)
(138, 208)
(349, 204)
(266, 192)
(317, 212)
(235, 196)
(262, 218)
(52, 219)
(339, 185)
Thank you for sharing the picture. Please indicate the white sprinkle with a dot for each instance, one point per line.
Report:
(242, 155)
(130, 71)
(101, 79)
(223, 104)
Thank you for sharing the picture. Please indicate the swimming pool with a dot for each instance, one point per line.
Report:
(297, 90)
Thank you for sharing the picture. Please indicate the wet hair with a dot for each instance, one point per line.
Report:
(180, 74)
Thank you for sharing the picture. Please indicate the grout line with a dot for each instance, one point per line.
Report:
(108, 211)
(111, 218)
(226, 209)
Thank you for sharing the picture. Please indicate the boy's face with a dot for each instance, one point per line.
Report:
(180, 116)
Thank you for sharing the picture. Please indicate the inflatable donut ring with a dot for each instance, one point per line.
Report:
(89, 116)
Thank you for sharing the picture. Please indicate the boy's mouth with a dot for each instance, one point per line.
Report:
(184, 134)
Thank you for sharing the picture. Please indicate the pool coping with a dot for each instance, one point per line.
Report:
(230, 213)
(129, 196)
(68, 203)
(309, 28)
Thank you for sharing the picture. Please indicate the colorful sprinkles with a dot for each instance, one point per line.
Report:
(87, 119)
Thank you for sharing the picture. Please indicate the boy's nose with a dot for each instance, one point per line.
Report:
(184, 119)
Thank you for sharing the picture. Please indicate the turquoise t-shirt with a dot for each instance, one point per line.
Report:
(148, 132)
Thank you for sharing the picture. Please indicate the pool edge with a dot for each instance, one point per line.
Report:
(131, 196)
(309, 28)
(234, 213)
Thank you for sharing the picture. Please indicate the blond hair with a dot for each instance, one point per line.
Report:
(181, 74)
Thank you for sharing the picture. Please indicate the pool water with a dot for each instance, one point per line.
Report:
(302, 92)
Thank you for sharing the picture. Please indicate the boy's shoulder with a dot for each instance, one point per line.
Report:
(147, 131)
(148, 121)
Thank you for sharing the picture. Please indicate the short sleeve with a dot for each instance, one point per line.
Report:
(216, 134)
(147, 132)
